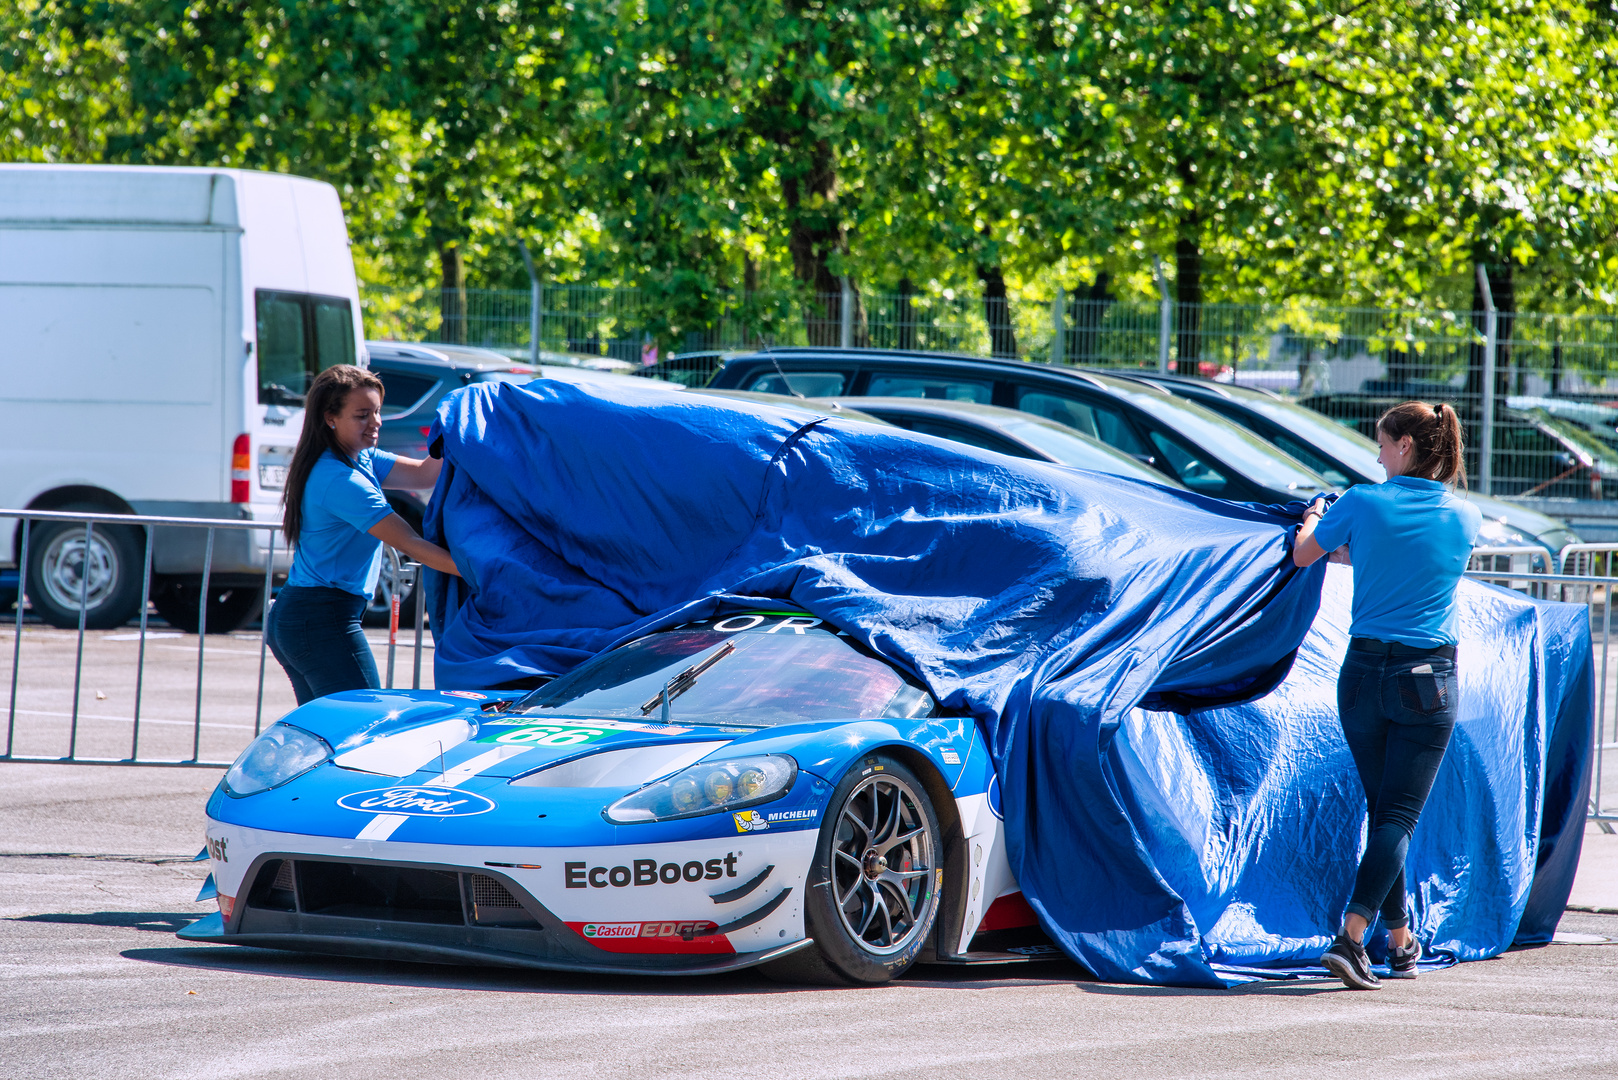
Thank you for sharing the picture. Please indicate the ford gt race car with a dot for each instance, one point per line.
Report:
(754, 788)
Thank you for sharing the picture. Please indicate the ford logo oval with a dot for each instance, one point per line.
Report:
(417, 802)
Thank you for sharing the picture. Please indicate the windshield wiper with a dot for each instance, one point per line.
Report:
(685, 680)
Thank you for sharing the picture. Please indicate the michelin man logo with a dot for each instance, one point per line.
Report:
(750, 821)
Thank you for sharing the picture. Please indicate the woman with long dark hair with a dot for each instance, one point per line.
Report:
(1409, 539)
(337, 519)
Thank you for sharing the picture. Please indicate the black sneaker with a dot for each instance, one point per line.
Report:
(1346, 959)
(1402, 962)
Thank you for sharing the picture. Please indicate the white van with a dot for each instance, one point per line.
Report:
(158, 329)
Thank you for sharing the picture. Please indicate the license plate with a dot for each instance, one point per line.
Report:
(273, 462)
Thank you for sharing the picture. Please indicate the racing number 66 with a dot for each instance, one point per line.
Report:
(550, 736)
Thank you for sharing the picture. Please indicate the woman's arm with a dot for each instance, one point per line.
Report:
(1305, 550)
(412, 474)
(396, 532)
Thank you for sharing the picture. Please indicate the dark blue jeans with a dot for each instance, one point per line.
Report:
(316, 635)
(1397, 713)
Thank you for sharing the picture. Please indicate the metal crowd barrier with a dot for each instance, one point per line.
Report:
(1589, 584)
(403, 574)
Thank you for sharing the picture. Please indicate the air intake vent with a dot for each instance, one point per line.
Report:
(283, 876)
(494, 905)
(272, 889)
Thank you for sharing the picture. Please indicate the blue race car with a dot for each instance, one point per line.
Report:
(753, 788)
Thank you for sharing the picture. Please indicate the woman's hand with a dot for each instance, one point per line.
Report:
(396, 532)
(1305, 550)
(412, 474)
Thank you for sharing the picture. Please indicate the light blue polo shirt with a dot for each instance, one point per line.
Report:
(340, 506)
(1409, 540)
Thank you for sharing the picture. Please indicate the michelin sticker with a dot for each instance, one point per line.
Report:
(753, 821)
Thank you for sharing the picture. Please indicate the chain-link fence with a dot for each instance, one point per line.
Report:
(1533, 390)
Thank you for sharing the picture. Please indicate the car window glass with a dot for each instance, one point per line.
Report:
(1340, 441)
(1236, 448)
(1310, 457)
(284, 370)
(334, 331)
(504, 376)
(1193, 472)
(1082, 452)
(783, 669)
(402, 392)
(933, 387)
(963, 433)
(801, 383)
(1086, 417)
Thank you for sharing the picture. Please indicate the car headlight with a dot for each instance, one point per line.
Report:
(280, 754)
(708, 787)
(1499, 534)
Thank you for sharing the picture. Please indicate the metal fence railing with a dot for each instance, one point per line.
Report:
(70, 738)
(1537, 393)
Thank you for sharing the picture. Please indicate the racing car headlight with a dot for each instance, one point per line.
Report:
(280, 754)
(707, 788)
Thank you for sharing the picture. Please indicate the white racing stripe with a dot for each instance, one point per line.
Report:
(382, 826)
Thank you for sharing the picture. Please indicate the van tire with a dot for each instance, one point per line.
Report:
(56, 561)
(229, 606)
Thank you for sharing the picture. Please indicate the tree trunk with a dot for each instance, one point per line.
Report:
(814, 234)
(997, 312)
(1188, 298)
(1089, 309)
(451, 294)
(906, 314)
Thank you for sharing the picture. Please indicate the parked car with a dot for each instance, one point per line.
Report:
(797, 404)
(1597, 417)
(1179, 438)
(692, 369)
(1345, 457)
(1534, 453)
(161, 326)
(1008, 431)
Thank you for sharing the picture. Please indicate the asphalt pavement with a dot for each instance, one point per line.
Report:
(95, 879)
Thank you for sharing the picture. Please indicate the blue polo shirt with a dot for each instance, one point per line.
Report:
(1409, 540)
(340, 506)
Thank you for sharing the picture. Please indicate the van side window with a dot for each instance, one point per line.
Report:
(936, 388)
(1097, 421)
(801, 383)
(299, 336)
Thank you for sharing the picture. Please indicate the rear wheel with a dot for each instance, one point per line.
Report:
(105, 572)
(229, 606)
(873, 889)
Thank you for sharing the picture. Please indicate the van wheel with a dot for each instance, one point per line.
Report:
(229, 606)
(872, 893)
(106, 572)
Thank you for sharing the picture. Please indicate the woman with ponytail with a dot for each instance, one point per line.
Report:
(337, 519)
(1408, 540)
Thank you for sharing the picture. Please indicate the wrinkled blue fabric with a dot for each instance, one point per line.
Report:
(1180, 806)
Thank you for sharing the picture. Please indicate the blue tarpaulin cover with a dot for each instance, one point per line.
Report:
(1154, 677)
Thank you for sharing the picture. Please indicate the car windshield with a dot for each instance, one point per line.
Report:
(1071, 448)
(778, 668)
(1336, 441)
(1234, 446)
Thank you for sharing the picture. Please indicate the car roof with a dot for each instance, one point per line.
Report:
(798, 404)
(434, 352)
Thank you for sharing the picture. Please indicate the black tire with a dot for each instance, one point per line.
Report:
(56, 570)
(867, 929)
(229, 606)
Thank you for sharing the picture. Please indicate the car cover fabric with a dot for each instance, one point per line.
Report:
(1179, 804)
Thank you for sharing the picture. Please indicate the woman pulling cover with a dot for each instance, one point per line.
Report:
(1408, 539)
(337, 520)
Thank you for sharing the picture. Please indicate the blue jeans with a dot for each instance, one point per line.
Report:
(1397, 721)
(315, 633)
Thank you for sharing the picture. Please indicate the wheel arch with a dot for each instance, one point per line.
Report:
(63, 497)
